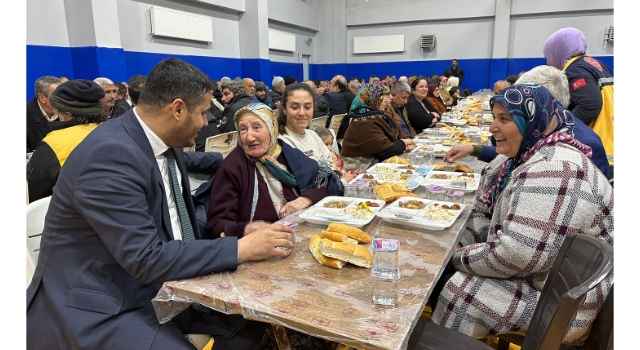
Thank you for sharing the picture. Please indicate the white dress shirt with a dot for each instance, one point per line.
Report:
(159, 148)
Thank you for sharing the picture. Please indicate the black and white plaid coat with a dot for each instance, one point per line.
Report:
(505, 260)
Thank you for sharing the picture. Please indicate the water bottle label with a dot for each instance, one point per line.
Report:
(386, 245)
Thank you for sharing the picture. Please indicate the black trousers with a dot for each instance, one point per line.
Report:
(228, 331)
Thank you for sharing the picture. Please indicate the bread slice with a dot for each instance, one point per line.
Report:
(345, 251)
(338, 237)
(350, 231)
(462, 167)
(314, 247)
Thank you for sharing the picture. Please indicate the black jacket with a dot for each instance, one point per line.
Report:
(237, 102)
(419, 118)
(214, 115)
(37, 125)
(321, 106)
(458, 73)
(275, 96)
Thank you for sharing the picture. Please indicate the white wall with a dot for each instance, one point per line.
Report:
(295, 13)
(46, 23)
(475, 28)
(134, 24)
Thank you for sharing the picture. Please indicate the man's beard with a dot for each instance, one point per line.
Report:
(183, 135)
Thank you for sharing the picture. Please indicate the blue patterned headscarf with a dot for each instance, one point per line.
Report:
(533, 109)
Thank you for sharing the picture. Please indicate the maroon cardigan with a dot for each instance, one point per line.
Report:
(232, 196)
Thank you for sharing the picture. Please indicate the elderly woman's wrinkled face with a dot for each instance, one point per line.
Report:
(505, 131)
(299, 111)
(443, 83)
(421, 89)
(254, 135)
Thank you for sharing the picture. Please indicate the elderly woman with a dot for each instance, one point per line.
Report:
(371, 136)
(421, 113)
(264, 179)
(433, 96)
(78, 103)
(444, 92)
(541, 187)
(591, 82)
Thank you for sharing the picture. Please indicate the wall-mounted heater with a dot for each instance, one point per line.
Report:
(427, 41)
(182, 25)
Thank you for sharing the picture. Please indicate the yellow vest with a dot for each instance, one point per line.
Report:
(63, 141)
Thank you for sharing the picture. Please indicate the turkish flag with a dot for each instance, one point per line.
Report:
(578, 83)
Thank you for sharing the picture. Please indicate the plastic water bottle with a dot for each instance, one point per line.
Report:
(385, 272)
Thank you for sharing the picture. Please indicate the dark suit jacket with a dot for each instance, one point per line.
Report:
(107, 245)
(37, 125)
(338, 105)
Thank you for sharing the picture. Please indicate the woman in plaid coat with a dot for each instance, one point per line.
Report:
(541, 187)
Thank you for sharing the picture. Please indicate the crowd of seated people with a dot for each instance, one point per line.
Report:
(280, 167)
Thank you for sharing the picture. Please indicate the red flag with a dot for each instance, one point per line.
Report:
(578, 83)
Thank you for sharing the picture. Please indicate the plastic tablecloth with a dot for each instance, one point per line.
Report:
(335, 304)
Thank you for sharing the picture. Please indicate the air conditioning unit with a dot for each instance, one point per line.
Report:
(608, 35)
(427, 41)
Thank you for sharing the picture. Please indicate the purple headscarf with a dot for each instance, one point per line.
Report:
(562, 45)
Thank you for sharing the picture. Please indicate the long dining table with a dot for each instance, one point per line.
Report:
(297, 292)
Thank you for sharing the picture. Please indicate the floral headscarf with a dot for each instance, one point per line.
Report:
(369, 98)
(562, 45)
(533, 109)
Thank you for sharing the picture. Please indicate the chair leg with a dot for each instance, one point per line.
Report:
(280, 334)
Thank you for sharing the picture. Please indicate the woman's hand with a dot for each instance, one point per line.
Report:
(455, 250)
(348, 176)
(294, 206)
(410, 145)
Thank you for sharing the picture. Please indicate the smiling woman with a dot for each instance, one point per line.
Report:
(541, 188)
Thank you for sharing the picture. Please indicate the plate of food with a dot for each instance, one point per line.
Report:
(457, 167)
(440, 150)
(356, 212)
(386, 168)
(398, 160)
(467, 182)
(422, 213)
(412, 181)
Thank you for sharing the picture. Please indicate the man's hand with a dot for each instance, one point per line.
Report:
(264, 242)
(255, 225)
(295, 205)
(457, 152)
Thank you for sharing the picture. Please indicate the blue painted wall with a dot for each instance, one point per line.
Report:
(119, 65)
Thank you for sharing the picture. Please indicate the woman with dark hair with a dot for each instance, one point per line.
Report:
(540, 188)
(294, 117)
(78, 105)
(421, 113)
(371, 136)
(454, 92)
(433, 96)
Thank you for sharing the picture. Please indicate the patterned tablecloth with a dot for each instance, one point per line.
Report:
(299, 293)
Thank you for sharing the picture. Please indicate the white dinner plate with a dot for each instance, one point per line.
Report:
(431, 179)
(318, 214)
(417, 218)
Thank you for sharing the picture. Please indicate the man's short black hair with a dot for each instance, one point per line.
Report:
(372, 76)
(171, 79)
(122, 89)
(136, 84)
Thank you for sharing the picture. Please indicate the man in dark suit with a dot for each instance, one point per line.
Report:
(121, 222)
(338, 103)
(40, 112)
